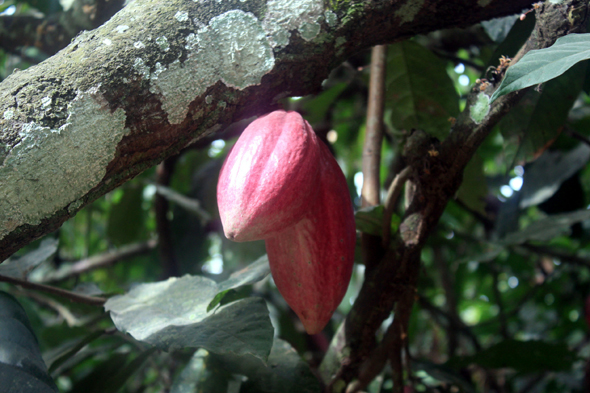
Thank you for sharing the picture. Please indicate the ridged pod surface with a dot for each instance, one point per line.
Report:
(311, 262)
(270, 177)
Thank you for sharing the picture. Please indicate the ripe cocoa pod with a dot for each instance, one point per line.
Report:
(311, 262)
(269, 178)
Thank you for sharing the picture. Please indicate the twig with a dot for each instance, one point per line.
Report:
(95, 301)
(374, 134)
(395, 189)
(578, 136)
(189, 204)
(370, 194)
(59, 308)
(98, 261)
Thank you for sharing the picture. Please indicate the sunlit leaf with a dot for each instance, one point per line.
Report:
(542, 65)
(173, 314)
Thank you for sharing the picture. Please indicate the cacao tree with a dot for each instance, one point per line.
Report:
(457, 130)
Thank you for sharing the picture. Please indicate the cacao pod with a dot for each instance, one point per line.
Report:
(311, 262)
(269, 178)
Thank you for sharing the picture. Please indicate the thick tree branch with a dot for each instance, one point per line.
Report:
(160, 75)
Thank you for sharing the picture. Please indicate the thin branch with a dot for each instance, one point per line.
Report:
(577, 135)
(99, 261)
(370, 194)
(562, 256)
(395, 189)
(59, 308)
(75, 297)
(374, 134)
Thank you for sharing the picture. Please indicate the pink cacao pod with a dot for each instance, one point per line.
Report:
(269, 178)
(311, 262)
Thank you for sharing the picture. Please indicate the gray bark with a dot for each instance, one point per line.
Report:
(162, 74)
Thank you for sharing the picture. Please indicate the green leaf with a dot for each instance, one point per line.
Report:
(21, 366)
(370, 220)
(499, 28)
(285, 371)
(530, 127)
(474, 189)
(420, 94)
(249, 275)
(316, 108)
(544, 176)
(173, 314)
(547, 228)
(522, 356)
(126, 218)
(20, 267)
(542, 65)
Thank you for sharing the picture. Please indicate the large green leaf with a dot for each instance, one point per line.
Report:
(540, 66)
(22, 368)
(537, 120)
(173, 314)
(522, 356)
(420, 94)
